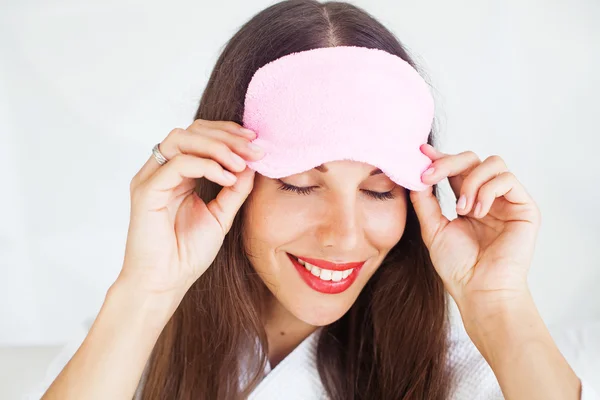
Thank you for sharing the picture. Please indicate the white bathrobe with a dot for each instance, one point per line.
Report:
(296, 376)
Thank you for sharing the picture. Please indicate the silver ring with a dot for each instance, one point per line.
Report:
(162, 160)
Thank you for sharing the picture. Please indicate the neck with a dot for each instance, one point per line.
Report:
(284, 331)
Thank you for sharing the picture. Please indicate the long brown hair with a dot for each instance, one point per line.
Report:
(391, 344)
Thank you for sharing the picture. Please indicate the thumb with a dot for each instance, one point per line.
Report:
(225, 206)
(429, 212)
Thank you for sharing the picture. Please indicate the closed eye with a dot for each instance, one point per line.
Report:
(309, 189)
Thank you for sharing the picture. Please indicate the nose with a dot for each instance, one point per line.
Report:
(341, 226)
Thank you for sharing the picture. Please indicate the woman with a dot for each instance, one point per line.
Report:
(208, 302)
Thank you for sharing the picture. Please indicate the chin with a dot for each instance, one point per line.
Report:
(320, 314)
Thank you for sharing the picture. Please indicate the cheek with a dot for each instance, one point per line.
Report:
(272, 221)
(275, 219)
(385, 223)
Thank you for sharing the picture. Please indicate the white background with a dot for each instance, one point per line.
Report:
(87, 88)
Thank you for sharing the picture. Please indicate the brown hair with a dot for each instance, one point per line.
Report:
(391, 344)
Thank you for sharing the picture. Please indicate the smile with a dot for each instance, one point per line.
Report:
(324, 276)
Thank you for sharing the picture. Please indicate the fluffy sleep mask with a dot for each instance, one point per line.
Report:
(340, 103)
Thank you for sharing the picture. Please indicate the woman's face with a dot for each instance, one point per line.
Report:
(335, 220)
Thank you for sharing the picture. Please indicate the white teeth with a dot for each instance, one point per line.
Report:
(316, 271)
(337, 276)
(325, 274)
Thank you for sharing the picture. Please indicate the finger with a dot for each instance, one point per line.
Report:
(206, 147)
(505, 184)
(432, 152)
(228, 126)
(183, 167)
(489, 169)
(151, 165)
(429, 212)
(239, 145)
(454, 167)
(229, 200)
(185, 140)
(198, 142)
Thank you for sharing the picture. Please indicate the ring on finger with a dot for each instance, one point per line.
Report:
(158, 156)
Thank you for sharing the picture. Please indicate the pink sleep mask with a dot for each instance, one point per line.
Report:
(340, 103)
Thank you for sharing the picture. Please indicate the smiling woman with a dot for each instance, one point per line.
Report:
(305, 260)
(332, 220)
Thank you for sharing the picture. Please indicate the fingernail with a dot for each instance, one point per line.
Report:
(248, 131)
(478, 210)
(254, 148)
(229, 176)
(462, 202)
(429, 172)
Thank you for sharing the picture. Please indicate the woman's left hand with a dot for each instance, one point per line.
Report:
(483, 255)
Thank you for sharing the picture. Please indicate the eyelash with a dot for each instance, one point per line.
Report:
(307, 190)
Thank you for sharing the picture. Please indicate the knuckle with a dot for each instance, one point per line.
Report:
(507, 175)
(138, 192)
(471, 155)
(133, 183)
(199, 125)
(232, 125)
(174, 137)
(211, 145)
(495, 159)
(175, 132)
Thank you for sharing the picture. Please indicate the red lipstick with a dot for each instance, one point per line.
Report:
(329, 265)
(320, 285)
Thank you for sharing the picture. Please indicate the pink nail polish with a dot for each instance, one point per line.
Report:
(462, 202)
(478, 210)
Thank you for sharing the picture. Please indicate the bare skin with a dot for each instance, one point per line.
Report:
(162, 260)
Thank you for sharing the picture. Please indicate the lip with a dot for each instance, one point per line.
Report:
(327, 287)
(330, 265)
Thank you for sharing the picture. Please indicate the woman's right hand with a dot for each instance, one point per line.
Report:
(173, 235)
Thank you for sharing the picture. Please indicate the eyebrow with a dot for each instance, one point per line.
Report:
(323, 168)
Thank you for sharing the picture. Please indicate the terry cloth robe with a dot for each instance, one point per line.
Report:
(296, 376)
